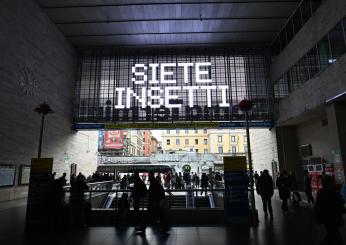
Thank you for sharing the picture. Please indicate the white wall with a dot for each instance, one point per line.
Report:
(263, 148)
(29, 40)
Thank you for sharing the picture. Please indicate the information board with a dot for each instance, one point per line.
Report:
(236, 200)
(7, 175)
(37, 213)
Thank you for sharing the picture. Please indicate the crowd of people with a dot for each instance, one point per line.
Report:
(177, 181)
(79, 209)
(328, 206)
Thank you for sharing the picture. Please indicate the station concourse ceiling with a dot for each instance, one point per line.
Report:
(168, 23)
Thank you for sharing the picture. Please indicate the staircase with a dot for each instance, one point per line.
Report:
(177, 202)
(202, 202)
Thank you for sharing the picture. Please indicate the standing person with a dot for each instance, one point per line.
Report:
(266, 190)
(168, 180)
(174, 182)
(72, 179)
(123, 209)
(256, 177)
(284, 186)
(329, 208)
(156, 195)
(197, 181)
(296, 198)
(139, 193)
(77, 199)
(204, 183)
(308, 188)
(60, 183)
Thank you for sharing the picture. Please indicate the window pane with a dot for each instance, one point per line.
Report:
(297, 21)
(295, 77)
(315, 4)
(313, 62)
(337, 42)
(283, 40)
(306, 11)
(324, 52)
(289, 30)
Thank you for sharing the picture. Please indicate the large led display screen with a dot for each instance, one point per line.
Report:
(171, 86)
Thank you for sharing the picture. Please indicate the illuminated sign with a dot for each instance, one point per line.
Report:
(156, 96)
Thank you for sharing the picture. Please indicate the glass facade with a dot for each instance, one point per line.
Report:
(296, 21)
(108, 89)
(322, 55)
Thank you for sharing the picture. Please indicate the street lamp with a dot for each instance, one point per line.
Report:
(43, 109)
(245, 106)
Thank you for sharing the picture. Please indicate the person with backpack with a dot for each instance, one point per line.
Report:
(139, 193)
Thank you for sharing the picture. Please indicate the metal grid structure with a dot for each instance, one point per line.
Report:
(102, 72)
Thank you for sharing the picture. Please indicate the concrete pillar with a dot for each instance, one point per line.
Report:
(336, 115)
(288, 150)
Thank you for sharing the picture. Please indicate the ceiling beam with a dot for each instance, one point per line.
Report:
(192, 44)
(170, 19)
(168, 3)
(168, 33)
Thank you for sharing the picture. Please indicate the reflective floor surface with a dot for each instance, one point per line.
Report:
(296, 228)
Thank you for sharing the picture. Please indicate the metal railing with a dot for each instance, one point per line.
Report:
(177, 198)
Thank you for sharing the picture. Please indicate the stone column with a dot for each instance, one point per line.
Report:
(336, 115)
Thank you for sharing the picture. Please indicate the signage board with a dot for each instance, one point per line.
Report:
(236, 201)
(185, 125)
(37, 212)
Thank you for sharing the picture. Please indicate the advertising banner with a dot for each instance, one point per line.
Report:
(114, 139)
(236, 201)
(37, 212)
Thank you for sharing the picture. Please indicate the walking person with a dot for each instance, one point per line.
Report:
(204, 183)
(308, 188)
(329, 208)
(139, 193)
(156, 199)
(266, 190)
(284, 186)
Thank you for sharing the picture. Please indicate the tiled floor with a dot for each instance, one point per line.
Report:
(294, 229)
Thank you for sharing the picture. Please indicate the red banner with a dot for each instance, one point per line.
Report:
(114, 139)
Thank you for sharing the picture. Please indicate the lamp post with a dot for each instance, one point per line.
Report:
(245, 106)
(43, 109)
